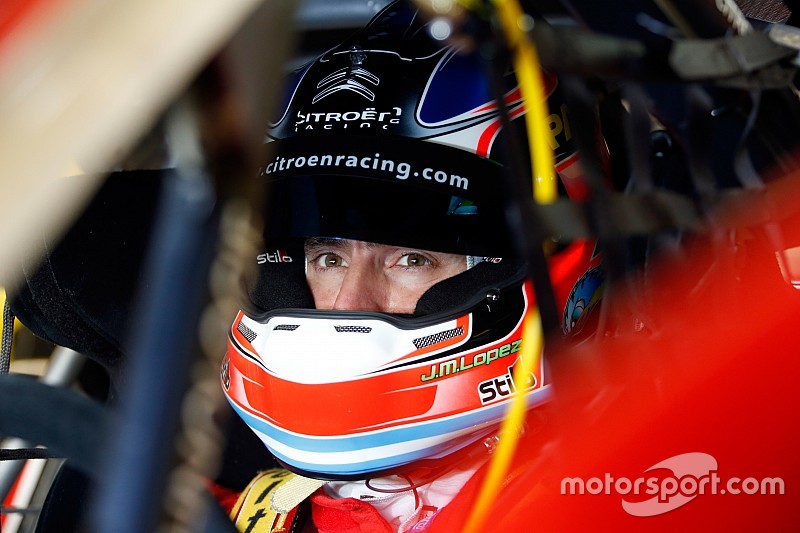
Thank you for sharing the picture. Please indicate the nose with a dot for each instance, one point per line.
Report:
(362, 289)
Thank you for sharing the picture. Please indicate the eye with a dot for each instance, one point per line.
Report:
(413, 259)
(329, 260)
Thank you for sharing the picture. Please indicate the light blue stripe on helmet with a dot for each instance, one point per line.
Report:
(361, 467)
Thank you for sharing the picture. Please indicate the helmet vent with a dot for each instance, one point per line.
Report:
(436, 338)
(246, 332)
(353, 329)
(286, 327)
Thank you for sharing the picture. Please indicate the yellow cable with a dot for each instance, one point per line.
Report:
(529, 77)
(512, 424)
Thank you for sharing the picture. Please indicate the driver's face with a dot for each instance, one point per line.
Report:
(361, 276)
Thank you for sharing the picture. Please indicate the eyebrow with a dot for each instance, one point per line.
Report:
(320, 241)
(316, 242)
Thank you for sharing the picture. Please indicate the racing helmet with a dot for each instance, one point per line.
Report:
(388, 138)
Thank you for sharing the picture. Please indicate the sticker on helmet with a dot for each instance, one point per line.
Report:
(278, 256)
(583, 296)
(459, 364)
(503, 386)
(366, 118)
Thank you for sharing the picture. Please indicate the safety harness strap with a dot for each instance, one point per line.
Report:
(253, 511)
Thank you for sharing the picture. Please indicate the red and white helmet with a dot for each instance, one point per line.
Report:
(387, 138)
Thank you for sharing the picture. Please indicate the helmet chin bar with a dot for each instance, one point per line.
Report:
(347, 395)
